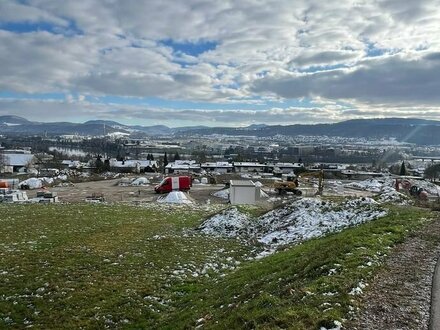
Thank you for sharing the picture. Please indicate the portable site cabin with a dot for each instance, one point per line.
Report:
(243, 192)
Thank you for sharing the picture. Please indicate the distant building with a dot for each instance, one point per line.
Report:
(218, 167)
(133, 165)
(248, 167)
(284, 168)
(16, 161)
(183, 167)
(73, 164)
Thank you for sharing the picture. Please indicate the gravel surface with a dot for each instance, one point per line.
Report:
(399, 296)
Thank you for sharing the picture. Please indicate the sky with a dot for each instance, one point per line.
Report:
(219, 63)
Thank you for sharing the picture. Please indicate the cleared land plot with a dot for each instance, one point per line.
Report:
(94, 266)
(115, 193)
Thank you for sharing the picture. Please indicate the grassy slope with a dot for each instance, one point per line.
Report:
(91, 266)
(305, 287)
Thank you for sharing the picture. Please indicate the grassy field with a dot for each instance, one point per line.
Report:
(96, 266)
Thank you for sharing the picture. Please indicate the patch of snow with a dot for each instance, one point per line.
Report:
(310, 217)
(430, 187)
(228, 223)
(35, 183)
(391, 195)
(222, 194)
(337, 324)
(118, 134)
(298, 221)
(263, 194)
(142, 181)
(175, 197)
(359, 289)
(369, 185)
(62, 177)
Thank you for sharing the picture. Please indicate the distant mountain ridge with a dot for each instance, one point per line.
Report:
(412, 130)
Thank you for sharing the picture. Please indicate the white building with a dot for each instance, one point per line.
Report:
(285, 168)
(133, 165)
(248, 167)
(243, 192)
(73, 164)
(218, 167)
(183, 167)
(16, 161)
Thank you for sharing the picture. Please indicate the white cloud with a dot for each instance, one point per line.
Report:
(262, 49)
(390, 80)
(78, 110)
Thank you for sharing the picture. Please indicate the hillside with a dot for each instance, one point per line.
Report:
(412, 130)
(119, 266)
(416, 131)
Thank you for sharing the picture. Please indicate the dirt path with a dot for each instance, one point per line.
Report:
(399, 296)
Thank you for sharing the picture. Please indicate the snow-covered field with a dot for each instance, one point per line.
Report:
(381, 185)
(372, 185)
(296, 222)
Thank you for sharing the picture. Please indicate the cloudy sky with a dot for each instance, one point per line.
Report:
(233, 63)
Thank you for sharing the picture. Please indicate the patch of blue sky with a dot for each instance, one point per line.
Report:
(27, 27)
(318, 68)
(190, 48)
(372, 51)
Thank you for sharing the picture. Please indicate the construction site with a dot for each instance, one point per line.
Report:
(221, 189)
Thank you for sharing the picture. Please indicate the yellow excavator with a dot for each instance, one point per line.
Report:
(291, 184)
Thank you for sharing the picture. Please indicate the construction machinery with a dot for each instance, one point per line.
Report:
(411, 188)
(292, 183)
(283, 187)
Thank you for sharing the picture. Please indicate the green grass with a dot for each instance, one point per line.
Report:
(93, 266)
(304, 287)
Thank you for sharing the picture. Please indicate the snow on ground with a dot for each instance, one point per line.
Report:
(430, 187)
(175, 197)
(391, 195)
(141, 181)
(222, 194)
(374, 185)
(228, 223)
(263, 194)
(369, 185)
(386, 188)
(301, 220)
(311, 217)
(35, 183)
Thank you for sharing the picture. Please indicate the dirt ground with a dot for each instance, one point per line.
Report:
(200, 193)
(399, 297)
(112, 192)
